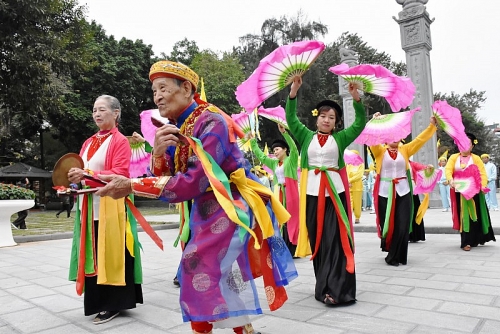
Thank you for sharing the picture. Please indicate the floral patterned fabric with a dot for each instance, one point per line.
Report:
(215, 272)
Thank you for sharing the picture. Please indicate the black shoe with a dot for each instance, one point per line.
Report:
(105, 316)
(176, 282)
(394, 263)
(57, 215)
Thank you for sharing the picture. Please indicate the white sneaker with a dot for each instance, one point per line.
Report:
(445, 210)
(495, 209)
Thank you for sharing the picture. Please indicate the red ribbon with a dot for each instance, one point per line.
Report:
(344, 238)
(80, 277)
(144, 224)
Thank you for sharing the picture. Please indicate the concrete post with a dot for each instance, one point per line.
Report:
(414, 23)
(350, 58)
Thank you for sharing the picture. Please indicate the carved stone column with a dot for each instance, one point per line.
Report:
(350, 58)
(414, 23)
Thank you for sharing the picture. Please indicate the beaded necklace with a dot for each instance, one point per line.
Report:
(96, 142)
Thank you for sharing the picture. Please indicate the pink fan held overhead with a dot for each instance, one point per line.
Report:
(386, 128)
(276, 71)
(450, 120)
(276, 114)
(376, 79)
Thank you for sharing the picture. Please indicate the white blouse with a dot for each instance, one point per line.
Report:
(326, 156)
(280, 174)
(95, 163)
(393, 169)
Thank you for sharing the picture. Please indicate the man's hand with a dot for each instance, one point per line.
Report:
(165, 137)
(118, 186)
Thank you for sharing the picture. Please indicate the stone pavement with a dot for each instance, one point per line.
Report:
(442, 290)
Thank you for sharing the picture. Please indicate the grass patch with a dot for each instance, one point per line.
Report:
(45, 222)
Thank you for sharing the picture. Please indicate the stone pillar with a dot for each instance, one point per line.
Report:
(414, 23)
(350, 58)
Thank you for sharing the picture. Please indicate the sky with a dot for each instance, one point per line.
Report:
(465, 33)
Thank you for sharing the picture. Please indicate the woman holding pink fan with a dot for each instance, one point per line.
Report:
(467, 178)
(393, 194)
(325, 227)
(284, 169)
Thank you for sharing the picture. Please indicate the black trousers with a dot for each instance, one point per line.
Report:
(398, 249)
(329, 264)
(20, 222)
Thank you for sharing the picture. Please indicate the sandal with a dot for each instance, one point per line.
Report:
(105, 316)
(248, 329)
(329, 300)
(466, 248)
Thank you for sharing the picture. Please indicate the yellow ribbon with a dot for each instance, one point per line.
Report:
(424, 205)
(249, 190)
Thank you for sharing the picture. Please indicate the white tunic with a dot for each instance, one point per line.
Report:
(95, 163)
(326, 156)
(393, 169)
(280, 174)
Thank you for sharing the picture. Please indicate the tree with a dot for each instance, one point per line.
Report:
(468, 104)
(183, 52)
(221, 76)
(120, 68)
(274, 33)
(41, 44)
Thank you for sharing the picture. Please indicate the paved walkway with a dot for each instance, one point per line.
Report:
(442, 290)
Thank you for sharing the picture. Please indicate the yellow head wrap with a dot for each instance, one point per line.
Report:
(260, 170)
(170, 69)
(485, 156)
(444, 156)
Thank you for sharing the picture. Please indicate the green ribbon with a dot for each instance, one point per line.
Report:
(222, 177)
(282, 189)
(184, 235)
(137, 245)
(389, 204)
(484, 213)
(336, 197)
(388, 210)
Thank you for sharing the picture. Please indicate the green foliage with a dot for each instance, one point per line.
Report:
(54, 64)
(41, 45)
(10, 192)
(468, 104)
(221, 76)
(183, 52)
(120, 68)
(276, 32)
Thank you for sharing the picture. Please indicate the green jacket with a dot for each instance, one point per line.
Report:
(304, 136)
(290, 163)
